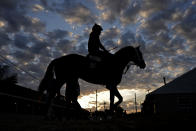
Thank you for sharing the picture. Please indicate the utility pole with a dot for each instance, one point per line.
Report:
(135, 104)
(140, 106)
(148, 90)
(164, 80)
(104, 105)
(96, 100)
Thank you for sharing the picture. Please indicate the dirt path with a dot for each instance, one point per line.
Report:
(12, 122)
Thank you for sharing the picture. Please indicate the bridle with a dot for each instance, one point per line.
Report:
(131, 62)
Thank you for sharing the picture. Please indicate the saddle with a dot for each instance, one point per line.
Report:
(96, 60)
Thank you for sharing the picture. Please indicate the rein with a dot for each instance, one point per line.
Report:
(130, 63)
(128, 66)
(113, 48)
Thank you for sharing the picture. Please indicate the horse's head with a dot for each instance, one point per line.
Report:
(138, 58)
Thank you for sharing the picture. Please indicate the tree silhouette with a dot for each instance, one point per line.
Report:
(5, 76)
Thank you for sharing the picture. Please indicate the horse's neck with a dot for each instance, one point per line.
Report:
(123, 63)
(123, 57)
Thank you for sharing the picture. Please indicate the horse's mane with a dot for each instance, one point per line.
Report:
(124, 50)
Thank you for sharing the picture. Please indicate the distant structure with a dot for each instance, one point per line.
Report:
(96, 100)
(18, 99)
(21, 100)
(135, 104)
(175, 97)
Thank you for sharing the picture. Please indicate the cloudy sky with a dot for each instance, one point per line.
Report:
(34, 32)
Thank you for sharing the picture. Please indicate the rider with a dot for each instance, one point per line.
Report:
(95, 47)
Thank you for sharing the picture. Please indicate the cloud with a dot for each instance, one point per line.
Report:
(153, 6)
(4, 39)
(112, 9)
(187, 30)
(81, 48)
(14, 14)
(80, 15)
(130, 15)
(73, 12)
(39, 47)
(44, 3)
(58, 34)
(21, 41)
(128, 38)
(33, 25)
(23, 56)
(38, 7)
(154, 25)
(8, 4)
(111, 33)
(65, 45)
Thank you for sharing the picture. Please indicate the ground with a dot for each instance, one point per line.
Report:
(15, 122)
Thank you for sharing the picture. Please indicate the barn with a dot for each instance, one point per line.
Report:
(175, 97)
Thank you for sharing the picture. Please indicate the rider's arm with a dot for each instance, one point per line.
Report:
(102, 47)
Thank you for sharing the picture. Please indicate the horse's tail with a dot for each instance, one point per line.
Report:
(48, 77)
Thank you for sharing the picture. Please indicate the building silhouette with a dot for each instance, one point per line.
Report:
(20, 100)
(173, 98)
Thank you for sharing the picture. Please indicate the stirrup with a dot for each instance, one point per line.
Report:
(93, 65)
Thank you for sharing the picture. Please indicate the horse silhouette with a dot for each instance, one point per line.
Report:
(68, 69)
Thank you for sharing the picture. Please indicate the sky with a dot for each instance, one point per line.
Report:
(34, 32)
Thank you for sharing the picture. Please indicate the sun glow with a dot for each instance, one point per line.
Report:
(89, 101)
(2, 24)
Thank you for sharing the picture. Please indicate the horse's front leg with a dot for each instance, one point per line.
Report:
(114, 92)
(118, 95)
(111, 100)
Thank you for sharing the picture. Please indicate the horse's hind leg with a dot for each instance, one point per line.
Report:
(72, 93)
(53, 90)
(76, 94)
(49, 100)
(59, 84)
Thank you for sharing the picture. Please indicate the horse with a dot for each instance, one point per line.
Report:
(68, 69)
